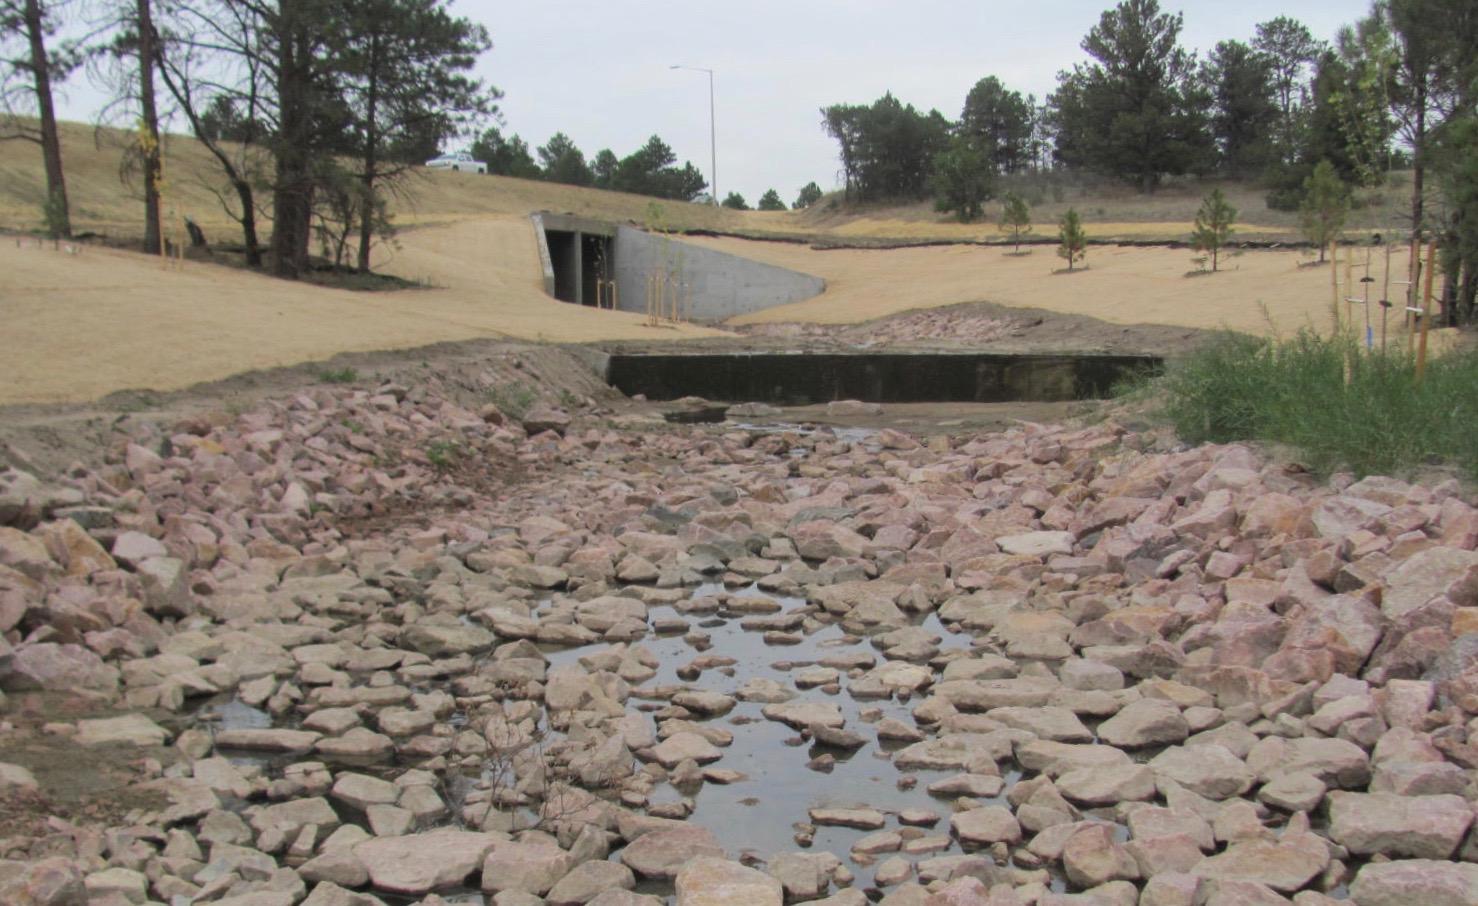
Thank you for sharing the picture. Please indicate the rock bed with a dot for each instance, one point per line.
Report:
(593, 660)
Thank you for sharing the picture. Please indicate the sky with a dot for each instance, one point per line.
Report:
(600, 72)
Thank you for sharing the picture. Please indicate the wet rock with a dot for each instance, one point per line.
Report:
(863, 818)
(801, 715)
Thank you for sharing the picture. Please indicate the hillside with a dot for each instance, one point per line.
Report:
(102, 203)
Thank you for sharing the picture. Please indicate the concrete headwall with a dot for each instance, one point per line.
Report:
(719, 285)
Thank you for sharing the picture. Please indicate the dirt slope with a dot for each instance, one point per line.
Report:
(82, 326)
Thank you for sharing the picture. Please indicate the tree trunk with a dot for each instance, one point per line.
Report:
(1418, 155)
(153, 160)
(291, 192)
(51, 146)
(248, 222)
(371, 140)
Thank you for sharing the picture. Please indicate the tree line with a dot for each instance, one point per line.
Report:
(1396, 89)
(649, 170)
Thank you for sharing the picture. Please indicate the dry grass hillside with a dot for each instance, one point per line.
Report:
(102, 202)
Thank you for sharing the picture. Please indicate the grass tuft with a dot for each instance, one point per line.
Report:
(338, 376)
(1342, 407)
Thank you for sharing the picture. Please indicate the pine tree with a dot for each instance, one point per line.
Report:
(1074, 242)
(770, 201)
(1326, 202)
(1016, 216)
(1213, 225)
(810, 194)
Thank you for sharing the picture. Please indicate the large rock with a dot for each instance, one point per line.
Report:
(1207, 770)
(1036, 544)
(1091, 857)
(1420, 827)
(435, 640)
(417, 864)
(680, 747)
(659, 854)
(1436, 571)
(49, 882)
(708, 881)
(1283, 866)
(801, 715)
(1416, 882)
(50, 667)
(129, 730)
(528, 867)
(986, 825)
(1146, 722)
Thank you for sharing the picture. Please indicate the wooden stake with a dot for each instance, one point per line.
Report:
(1334, 282)
(1421, 349)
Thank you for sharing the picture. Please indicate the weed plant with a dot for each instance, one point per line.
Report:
(1342, 407)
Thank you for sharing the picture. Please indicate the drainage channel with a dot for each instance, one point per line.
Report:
(801, 379)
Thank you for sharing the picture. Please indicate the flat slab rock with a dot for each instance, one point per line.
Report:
(707, 881)
(1407, 882)
(128, 730)
(660, 854)
(416, 864)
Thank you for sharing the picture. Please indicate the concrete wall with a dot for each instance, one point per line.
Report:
(719, 285)
(795, 379)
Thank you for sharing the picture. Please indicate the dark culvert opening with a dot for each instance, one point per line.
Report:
(800, 379)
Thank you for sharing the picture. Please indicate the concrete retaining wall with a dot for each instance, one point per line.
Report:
(720, 285)
(795, 379)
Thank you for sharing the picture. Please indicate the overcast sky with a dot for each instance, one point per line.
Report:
(600, 71)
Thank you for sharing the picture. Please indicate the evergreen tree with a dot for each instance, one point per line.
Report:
(735, 201)
(1072, 241)
(1016, 216)
(962, 180)
(1213, 225)
(405, 73)
(887, 148)
(504, 157)
(770, 201)
(562, 162)
(1246, 116)
(810, 194)
(1291, 52)
(998, 124)
(604, 168)
(1138, 111)
(1325, 205)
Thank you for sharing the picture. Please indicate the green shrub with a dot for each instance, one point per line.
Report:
(513, 400)
(1296, 391)
(338, 375)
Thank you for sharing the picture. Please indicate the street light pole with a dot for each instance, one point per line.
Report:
(712, 130)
